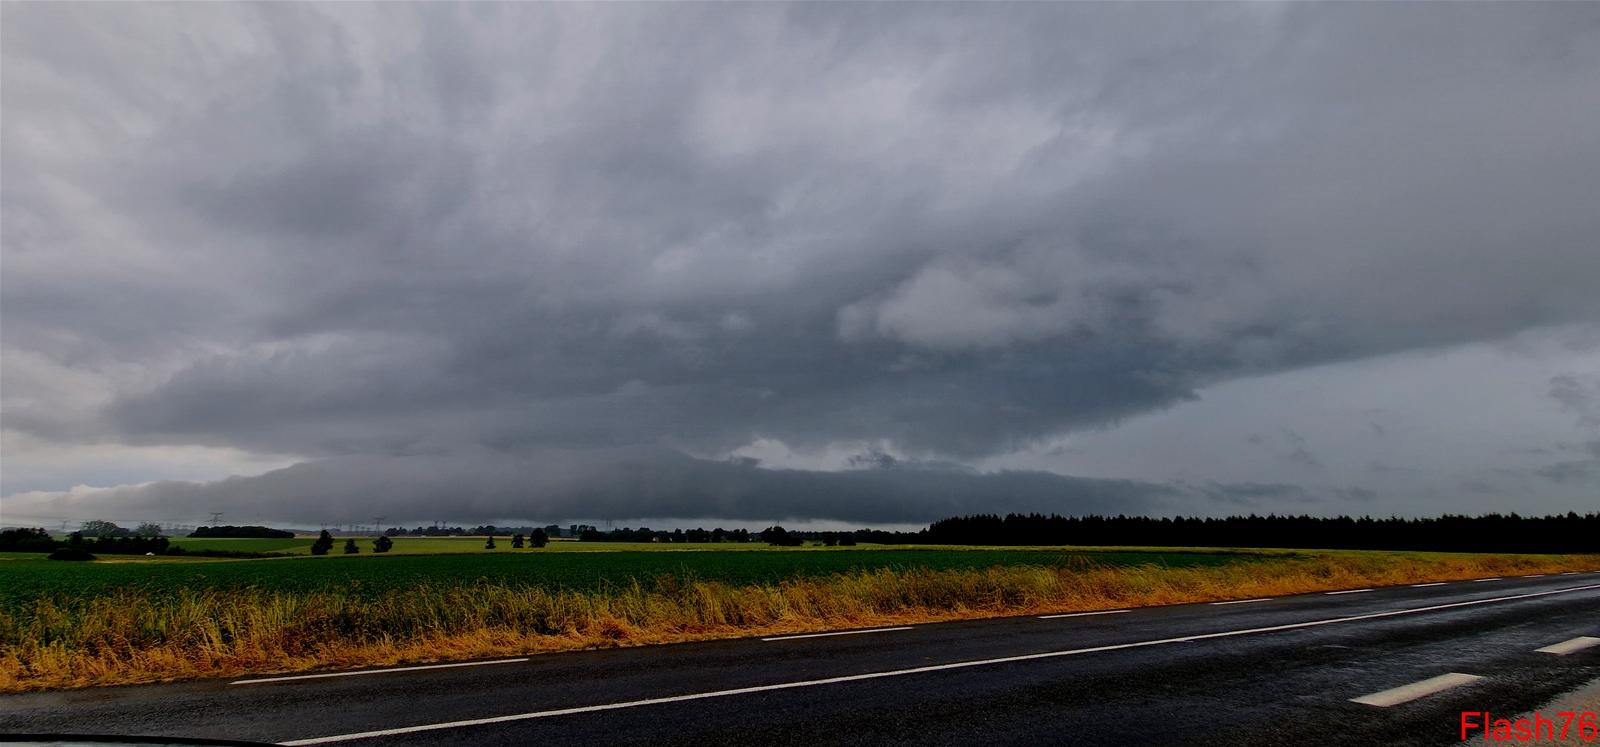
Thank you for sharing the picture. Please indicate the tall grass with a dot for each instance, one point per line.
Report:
(127, 636)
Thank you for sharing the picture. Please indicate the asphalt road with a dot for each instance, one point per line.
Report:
(1283, 671)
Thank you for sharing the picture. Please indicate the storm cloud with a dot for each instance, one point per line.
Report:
(615, 484)
(409, 245)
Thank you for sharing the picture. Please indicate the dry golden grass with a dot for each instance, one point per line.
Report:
(127, 638)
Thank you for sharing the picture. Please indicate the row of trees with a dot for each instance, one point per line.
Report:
(1569, 533)
(324, 544)
(482, 530)
(646, 534)
(39, 540)
(103, 528)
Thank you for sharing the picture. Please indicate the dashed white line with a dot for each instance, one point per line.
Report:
(1571, 573)
(1567, 647)
(1241, 601)
(360, 672)
(1408, 693)
(1436, 583)
(913, 670)
(1534, 575)
(837, 632)
(1481, 580)
(1082, 614)
(1348, 591)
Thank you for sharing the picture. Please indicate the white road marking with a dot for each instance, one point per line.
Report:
(1566, 647)
(913, 670)
(1348, 591)
(1481, 580)
(1570, 573)
(1408, 693)
(1082, 614)
(360, 672)
(1241, 601)
(1436, 583)
(837, 632)
(1534, 575)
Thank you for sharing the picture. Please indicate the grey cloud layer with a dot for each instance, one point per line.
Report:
(555, 485)
(377, 231)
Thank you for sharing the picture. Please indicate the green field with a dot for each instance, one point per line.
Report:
(440, 545)
(24, 578)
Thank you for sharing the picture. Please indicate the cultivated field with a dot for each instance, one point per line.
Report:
(140, 619)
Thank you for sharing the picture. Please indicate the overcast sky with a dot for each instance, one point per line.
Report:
(823, 263)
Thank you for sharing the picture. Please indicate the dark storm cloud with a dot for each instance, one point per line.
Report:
(551, 485)
(374, 231)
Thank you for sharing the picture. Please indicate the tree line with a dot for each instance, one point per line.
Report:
(1564, 533)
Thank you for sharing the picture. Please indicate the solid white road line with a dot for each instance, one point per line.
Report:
(1241, 601)
(1348, 591)
(1082, 614)
(837, 632)
(358, 673)
(1566, 647)
(1408, 693)
(914, 670)
(1481, 580)
(1436, 583)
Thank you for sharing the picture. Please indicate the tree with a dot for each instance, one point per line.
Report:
(781, 537)
(490, 544)
(101, 528)
(516, 542)
(382, 544)
(350, 546)
(148, 529)
(538, 538)
(323, 544)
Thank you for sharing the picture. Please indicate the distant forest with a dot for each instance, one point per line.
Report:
(1569, 533)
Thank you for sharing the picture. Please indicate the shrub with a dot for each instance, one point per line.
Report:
(516, 542)
(382, 544)
(490, 544)
(538, 538)
(350, 546)
(71, 553)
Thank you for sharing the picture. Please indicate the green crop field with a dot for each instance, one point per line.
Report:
(23, 579)
(138, 619)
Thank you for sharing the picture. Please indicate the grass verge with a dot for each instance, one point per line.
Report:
(127, 635)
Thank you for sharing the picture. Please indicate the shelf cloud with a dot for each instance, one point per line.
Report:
(410, 246)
